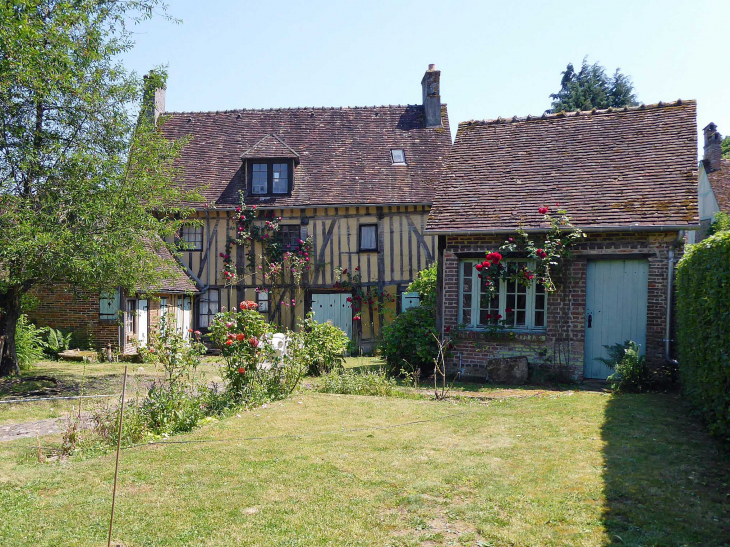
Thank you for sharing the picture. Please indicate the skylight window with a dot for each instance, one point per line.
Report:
(398, 156)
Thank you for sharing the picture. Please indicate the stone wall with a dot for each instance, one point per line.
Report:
(563, 339)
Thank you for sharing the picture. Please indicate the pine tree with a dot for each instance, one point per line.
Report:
(592, 88)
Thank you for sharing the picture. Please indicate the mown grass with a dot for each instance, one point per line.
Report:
(554, 469)
(73, 379)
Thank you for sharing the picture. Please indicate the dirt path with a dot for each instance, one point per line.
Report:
(50, 426)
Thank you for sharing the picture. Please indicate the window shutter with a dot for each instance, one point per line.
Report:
(108, 305)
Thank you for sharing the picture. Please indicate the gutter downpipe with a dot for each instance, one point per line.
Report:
(670, 293)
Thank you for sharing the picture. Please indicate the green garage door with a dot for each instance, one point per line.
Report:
(616, 297)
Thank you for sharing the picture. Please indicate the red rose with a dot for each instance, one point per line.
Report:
(241, 370)
(451, 346)
(253, 341)
(543, 210)
(510, 239)
(479, 267)
(508, 310)
(344, 272)
(229, 342)
(499, 317)
(486, 264)
(190, 330)
(349, 298)
(240, 337)
(356, 318)
(489, 316)
(447, 330)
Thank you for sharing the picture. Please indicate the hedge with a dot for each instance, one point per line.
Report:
(703, 328)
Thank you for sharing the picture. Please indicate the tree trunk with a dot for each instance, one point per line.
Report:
(9, 315)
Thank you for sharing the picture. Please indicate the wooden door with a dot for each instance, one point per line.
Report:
(616, 299)
(333, 308)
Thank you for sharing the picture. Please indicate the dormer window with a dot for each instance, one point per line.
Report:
(398, 156)
(269, 177)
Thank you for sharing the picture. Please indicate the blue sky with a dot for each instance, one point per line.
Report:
(498, 58)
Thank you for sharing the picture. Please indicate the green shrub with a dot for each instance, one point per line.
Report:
(171, 409)
(721, 223)
(408, 342)
(352, 382)
(703, 328)
(425, 285)
(629, 366)
(28, 342)
(319, 347)
(56, 342)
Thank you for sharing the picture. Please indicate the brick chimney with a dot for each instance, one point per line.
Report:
(153, 100)
(431, 85)
(713, 148)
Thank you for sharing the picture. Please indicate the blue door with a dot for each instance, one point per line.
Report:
(616, 298)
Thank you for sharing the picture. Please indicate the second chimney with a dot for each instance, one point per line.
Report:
(431, 86)
(713, 148)
(153, 101)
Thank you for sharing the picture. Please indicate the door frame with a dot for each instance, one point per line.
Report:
(638, 257)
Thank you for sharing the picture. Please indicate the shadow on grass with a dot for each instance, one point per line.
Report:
(666, 480)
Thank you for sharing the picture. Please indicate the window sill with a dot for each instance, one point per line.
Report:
(517, 334)
(368, 251)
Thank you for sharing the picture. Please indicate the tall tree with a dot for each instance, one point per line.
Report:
(725, 144)
(591, 88)
(85, 184)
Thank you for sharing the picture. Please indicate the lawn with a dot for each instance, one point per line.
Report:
(73, 379)
(549, 468)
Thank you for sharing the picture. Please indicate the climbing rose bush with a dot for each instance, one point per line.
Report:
(550, 252)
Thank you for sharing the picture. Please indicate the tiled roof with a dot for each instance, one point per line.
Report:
(344, 153)
(608, 168)
(720, 183)
(271, 146)
(178, 282)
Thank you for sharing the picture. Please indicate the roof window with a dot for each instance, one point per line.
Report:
(398, 156)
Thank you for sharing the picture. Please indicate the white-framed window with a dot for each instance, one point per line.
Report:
(398, 156)
(260, 178)
(209, 306)
(263, 300)
(192, 236)
(513, 305)
(281, 178)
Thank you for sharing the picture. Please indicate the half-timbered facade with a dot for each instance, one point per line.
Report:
(360, 181)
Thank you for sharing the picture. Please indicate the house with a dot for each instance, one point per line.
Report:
(117, 320)
(360, 181)
(626, 177)
(714, 181)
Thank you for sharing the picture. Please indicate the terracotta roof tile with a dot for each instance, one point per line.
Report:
(720, 183)
(616, 167)
(344, 153)
(271, 146)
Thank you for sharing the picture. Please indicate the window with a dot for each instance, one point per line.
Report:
(260, 178)
(290, 236)
(269, 177)
(130, 319)
(519, 307)
(398, 156)
(368, 237)
(263, 300)
(209, 306)
(281, 179)
(192, 238)
(108, 305)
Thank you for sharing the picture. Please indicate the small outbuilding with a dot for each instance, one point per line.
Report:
(626, 177)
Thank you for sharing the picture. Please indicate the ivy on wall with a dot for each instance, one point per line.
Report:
(703, 328)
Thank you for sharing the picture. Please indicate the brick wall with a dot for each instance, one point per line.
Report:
(77, 311)
(61, 308)
(564, 338)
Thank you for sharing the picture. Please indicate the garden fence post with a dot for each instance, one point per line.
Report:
(116, 468)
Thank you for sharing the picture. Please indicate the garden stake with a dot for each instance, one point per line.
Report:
(116, 467)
